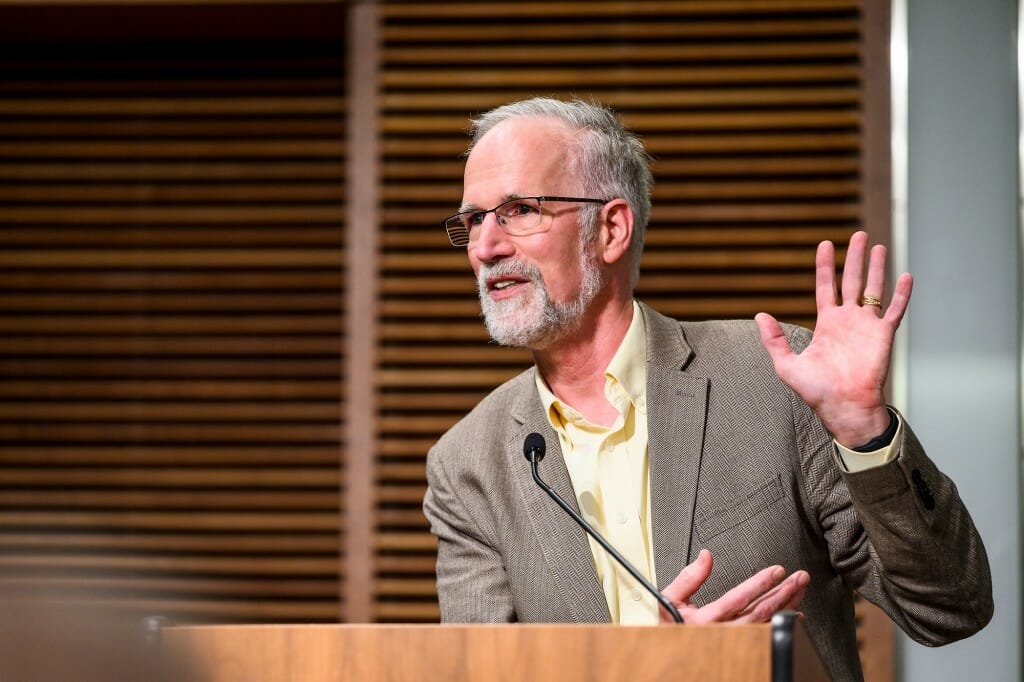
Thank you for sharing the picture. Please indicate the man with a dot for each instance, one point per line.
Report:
(715, 456)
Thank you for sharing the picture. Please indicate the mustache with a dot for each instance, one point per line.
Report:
(506, 268)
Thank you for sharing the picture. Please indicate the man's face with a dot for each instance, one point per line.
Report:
(534, 289)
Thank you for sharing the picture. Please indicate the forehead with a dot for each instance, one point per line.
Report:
(519, 157)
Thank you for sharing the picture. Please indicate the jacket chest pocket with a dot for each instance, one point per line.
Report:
(732, 513)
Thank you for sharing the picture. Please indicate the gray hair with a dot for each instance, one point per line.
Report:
(609, 160)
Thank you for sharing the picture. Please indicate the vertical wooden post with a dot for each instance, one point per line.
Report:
(875, 632)
(876, 146)
(362, 225)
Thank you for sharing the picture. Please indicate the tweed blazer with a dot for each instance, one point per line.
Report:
(739, 465)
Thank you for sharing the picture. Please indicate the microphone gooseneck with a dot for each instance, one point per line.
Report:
(534, 449)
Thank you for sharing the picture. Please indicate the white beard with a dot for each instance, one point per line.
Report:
(531, 319)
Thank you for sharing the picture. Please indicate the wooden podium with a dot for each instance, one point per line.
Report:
(778, 652)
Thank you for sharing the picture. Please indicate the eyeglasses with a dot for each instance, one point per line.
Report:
(518, 217)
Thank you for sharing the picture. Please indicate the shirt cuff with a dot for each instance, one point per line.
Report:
(853, 461)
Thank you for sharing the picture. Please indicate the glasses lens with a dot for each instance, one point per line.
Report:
(519, 216)
(458, 233)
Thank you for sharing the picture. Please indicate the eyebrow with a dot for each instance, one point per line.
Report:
(470, 208)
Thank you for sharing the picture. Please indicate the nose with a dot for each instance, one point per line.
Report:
(491, 242)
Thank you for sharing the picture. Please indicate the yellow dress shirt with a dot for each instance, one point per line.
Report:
(608, 467)
(609, 473)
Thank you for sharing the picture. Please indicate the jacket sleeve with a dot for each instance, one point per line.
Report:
(472, 586)
(904, 540)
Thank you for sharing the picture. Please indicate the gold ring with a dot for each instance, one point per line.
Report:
(871, 300)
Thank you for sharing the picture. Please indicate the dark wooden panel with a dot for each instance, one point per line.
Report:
(171, 318)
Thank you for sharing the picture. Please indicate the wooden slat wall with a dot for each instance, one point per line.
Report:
(753, 111)
(171, 286)
(173, 316)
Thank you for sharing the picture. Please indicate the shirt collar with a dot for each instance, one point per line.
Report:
(628, 367)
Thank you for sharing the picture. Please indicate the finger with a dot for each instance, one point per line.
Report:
(853, 268)
(900, 299)
(875, 285)
(786, 596)
(690, 578)
(825, 275)
(773, 338)
(736, 600)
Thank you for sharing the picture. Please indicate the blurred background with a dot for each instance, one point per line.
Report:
(231, 324)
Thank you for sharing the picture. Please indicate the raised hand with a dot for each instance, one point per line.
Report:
(755, 600)
(841, 374)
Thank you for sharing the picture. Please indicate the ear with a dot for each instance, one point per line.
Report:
(616, 233)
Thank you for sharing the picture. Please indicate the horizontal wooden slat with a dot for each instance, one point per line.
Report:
(405, 541)
(49, 432)
(409, 472)
(152, 454)
(266, 346)
(169, 258)
(168, 170)
(406, 563)
(180, 521)
(635, 76)
(451, 170)
(624, 28)
(174, 193)
(177, 149)
(548, 10)
(634, 100)
(405, 447)
(120, 107)
(150, 367)
(261, 499)
(443, 355)
(254, 545)
(176, 563)
(401, 517)
(161, 215)
(406, 611)
(510, 53)
(411, 495)
(457, 378)
(223, 587)
(170, 280)
(170, 390)
(102, 303)
(660, 146)
(156, 129)
(169, 324)
(404, 587)
(185, 610)
(170, 411)
(206, 477)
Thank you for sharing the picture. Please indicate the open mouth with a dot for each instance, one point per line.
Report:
(505, 285)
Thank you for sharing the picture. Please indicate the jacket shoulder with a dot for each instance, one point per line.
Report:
(490, 414)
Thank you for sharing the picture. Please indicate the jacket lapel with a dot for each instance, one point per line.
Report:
(564, 544)
(677, 412)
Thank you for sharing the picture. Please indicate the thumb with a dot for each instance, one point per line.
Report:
(773, 338)
(690, 578)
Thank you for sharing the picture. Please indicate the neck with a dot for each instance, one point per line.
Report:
(574, 368)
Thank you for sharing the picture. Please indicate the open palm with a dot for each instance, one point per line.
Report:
(841, 374)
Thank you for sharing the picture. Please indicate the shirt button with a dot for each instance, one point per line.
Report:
(636, 595)
(621, 518)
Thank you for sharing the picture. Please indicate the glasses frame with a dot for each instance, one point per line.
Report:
(459, 241)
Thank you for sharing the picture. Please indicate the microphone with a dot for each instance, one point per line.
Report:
(534, 449)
